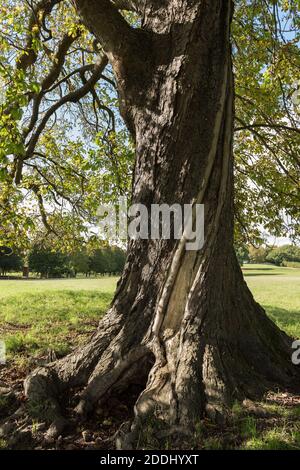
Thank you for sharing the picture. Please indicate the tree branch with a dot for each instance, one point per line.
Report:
(267, 126)
(263, 139)
(103, 19)
(72, 97)
(59, 59)
(82, 69)
(51, 77)
(43, 213)
(29, 56)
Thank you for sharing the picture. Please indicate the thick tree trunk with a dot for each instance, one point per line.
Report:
(182, 323)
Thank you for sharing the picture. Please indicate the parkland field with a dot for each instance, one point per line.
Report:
(42, 319)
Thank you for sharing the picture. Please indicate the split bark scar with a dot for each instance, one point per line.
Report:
(175, 265)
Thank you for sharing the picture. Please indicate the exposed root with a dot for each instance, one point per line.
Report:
(110, 373)
(46, 386)
(188, 379)
(201, 369)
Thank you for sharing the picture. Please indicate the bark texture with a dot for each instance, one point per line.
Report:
(183, 324)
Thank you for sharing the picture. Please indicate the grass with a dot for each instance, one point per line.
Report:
(56, 315)
(279, 430)
(41, 315)
(278, 291)
(17, 287)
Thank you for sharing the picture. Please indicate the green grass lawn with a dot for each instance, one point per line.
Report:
(278, 291)
(41, 315)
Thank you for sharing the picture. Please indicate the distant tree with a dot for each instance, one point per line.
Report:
(99, 261)
(117, 260)
(242, 253)
(48, 263)
(80, 262)
(10, 263)
(111, 265)
(282, 254)
(258, 255)
(107, 260)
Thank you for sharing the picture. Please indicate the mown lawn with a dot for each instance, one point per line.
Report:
(278, 291)
(38, 316)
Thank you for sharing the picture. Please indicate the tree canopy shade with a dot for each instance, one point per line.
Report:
(9, 260)
(5, 251)
(64, 148)
(183, 325)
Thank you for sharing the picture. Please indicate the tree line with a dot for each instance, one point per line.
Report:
(48, 263)
(285, 255)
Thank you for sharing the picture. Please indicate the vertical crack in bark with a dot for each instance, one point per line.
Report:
(179, 252)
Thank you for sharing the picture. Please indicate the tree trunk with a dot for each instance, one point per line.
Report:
(183, 324)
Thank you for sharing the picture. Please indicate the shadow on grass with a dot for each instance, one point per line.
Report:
(265, 271)
(35, 323)
(255, 268)
(287, 320)
(261, 274)
(271, 424)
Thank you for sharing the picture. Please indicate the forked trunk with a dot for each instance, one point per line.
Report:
(182, 322)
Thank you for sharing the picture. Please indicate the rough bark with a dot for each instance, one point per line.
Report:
(182, 322)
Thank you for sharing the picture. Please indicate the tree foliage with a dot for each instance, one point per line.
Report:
(284, 254)
(8, 263)
(107, 260)
(267, 73)
(50, 263)
(242, 253)
(64, 148)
